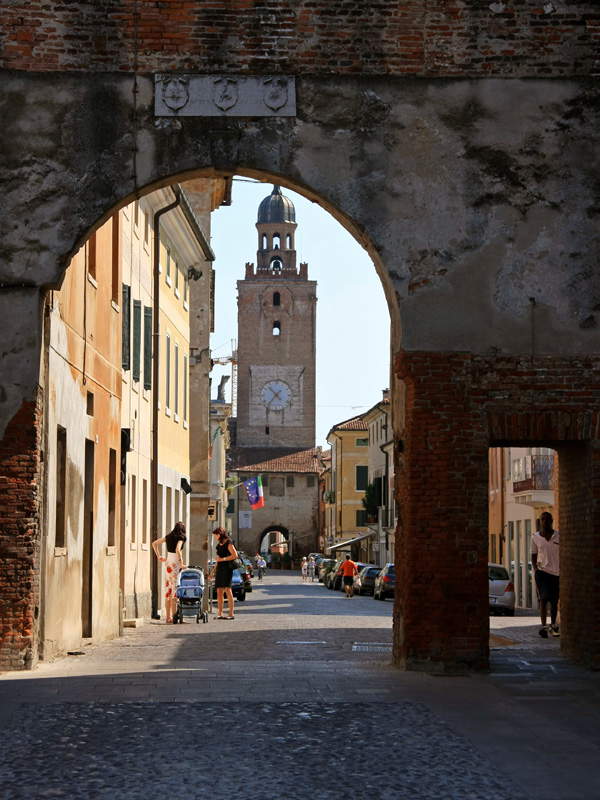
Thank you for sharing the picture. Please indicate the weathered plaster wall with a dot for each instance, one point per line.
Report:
(478, 194)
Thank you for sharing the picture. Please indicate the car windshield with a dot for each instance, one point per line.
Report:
(497, 574)
(373, 571)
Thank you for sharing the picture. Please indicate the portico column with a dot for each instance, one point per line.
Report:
(441, 610)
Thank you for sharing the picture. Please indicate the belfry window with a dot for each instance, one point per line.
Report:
(265, 241)
(277, 328)
(276, 299)
(276, 241)
(276, 266)
(289, 241)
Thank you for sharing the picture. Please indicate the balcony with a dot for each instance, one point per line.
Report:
(535, 481)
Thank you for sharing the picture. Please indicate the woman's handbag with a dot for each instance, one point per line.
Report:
(236, 564)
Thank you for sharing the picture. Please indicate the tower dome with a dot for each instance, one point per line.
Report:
(276, 208)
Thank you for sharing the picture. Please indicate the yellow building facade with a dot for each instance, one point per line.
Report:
(349, 444)
(81, 379)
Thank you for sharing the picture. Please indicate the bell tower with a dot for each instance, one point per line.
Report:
(276, 337)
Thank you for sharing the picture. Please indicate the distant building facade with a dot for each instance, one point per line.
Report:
(522, 485)
(349, 441)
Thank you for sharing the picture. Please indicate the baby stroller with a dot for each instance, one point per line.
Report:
(190, 590)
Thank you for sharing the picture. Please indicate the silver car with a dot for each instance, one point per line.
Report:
(501, 590)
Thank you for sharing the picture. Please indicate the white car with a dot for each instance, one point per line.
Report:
(501, 590)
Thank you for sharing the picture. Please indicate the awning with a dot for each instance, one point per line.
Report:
(350, 541)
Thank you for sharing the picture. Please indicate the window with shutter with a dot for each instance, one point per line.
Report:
(137, 339)
(147, 347)
(289, 480)
(126, 324)
(362, 478)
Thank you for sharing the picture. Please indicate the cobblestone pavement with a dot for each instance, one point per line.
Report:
(294, 693)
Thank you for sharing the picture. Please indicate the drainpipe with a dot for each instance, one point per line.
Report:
(390, 500)
(155, 378)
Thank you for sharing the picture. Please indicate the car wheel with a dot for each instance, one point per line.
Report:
(510, 612)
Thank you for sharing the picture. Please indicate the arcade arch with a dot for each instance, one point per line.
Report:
(445, 232)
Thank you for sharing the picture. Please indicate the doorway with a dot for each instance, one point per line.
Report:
(87, 561)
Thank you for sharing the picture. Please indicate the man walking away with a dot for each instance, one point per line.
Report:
(545, 560)
(311, 569)
(349, 570)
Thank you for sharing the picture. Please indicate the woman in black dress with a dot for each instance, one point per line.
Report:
(226, 555)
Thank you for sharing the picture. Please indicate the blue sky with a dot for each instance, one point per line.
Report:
(352, 316)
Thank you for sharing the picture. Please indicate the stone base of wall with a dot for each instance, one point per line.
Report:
(457, 406)
(139, 605)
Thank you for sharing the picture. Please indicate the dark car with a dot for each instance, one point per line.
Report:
(385, 583)
(367, 579)
(246, 578)
(325, 565)
(247, 562)
(238, 586)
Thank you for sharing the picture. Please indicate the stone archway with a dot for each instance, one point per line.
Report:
(274, 529)
(435, 180)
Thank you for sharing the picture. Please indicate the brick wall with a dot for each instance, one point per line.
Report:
(463, 37)
(458, 405)
(19, 538)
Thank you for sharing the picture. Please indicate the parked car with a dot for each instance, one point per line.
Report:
(238, 584)
(247, 562)
(501, 590)
(338, 583)
(385, 583)
(367, 579)
(332, 574)
(324, 567)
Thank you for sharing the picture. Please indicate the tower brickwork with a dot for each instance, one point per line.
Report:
(276, 337)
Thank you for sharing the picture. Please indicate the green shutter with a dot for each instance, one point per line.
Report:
(362, 478)
(137, 339)
(126, 323)
(147, 347)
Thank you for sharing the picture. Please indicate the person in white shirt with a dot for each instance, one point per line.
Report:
(545, 559)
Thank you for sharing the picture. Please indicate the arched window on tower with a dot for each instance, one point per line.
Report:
(276, 266)
(276, 241)
(265, 241)
(276, 299)
(289, 241)
(277, 328)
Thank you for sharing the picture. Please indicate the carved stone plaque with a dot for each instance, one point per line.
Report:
(189, 95)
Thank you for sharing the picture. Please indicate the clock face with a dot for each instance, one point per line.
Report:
(276, 395)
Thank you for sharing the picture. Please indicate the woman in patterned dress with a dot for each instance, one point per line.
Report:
(174, 564)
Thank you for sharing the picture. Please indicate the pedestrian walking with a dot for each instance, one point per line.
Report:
(545, 559)
(311, 569)
(174, 564)
(262, 566)
(349, 570)
(226, 556)
(304, 569)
